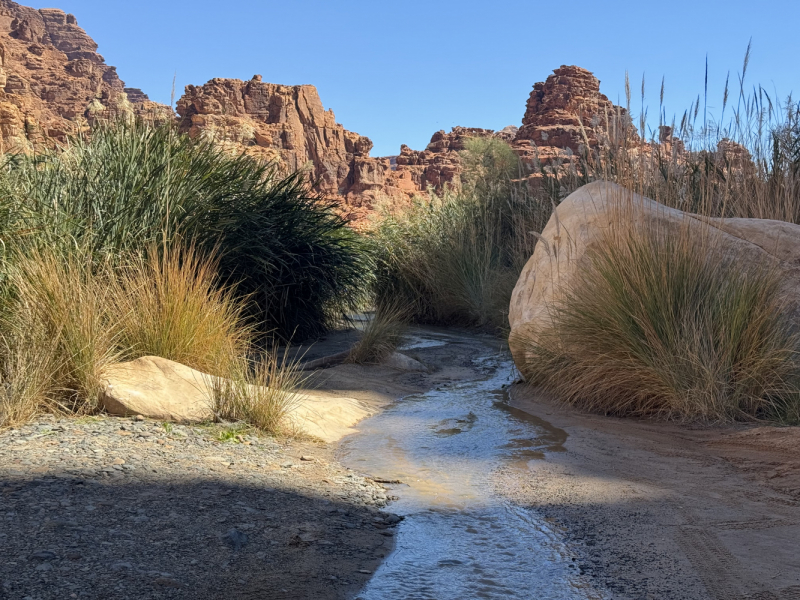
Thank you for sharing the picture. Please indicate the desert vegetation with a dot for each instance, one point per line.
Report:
(656, 325)
(141, 241)
(666, 324)
(454, 258)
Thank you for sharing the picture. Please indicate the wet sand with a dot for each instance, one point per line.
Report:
(660, 510)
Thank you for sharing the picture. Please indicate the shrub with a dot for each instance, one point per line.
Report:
(454, 258)
(131, 186)
(666, 325)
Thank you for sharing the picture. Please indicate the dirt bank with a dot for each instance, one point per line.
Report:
(659, 510)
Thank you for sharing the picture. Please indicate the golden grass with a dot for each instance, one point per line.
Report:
(260, 391)
(381, 336)
(169, 304)
(56, 338)
(67, 319)
(664, 323)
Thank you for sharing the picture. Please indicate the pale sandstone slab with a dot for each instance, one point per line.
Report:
(162, 389)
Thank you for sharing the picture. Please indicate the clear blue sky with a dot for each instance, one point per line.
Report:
(399, 71)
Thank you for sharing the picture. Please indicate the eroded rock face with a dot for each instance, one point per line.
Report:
(288, 125)
(281, 123)
(567, 111)
(53, 82)
(579, 223)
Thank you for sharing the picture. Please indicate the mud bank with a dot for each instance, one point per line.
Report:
(659, 510)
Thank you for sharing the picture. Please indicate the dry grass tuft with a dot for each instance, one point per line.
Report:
(382, 335)
(170, 304)
(261, 392)
(665, 324)
(56, 339)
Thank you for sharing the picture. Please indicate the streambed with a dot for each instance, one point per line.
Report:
(459, 539)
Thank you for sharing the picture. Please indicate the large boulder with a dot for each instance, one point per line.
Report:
(165, 390)
(585, 216)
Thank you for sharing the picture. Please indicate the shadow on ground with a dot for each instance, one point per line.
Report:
(63, 537)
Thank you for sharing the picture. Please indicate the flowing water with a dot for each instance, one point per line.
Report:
(459, 540)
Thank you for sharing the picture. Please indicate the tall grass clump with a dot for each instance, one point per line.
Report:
(67, 318)
(56, 339)
(382, 335)
(169, 303)
(131, 186)
(665, 324)
(453, 258)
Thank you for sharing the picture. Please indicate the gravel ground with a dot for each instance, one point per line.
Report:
(123, 508)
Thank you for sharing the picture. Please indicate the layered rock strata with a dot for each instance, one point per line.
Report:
(53, 83)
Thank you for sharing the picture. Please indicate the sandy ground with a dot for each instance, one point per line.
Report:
(661, 510)
(119, 508)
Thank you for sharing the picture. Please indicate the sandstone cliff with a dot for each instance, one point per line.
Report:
(567, 111)
(53, 82)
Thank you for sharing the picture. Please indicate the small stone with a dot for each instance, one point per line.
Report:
(44, 555)
(236, 538)
(392, 519)
(138, 418)
(117, 461)
(307, 458)
(167, 582)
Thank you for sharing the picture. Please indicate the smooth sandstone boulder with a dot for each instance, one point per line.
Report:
(401, 362)
(165, 390)
(158, 388)
(578, 222)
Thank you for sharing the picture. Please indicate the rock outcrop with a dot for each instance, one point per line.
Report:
(578, 224)
(567, 111)
(282, 123)
(53, 82)
(288, 125)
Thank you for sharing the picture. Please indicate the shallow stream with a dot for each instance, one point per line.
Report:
(458, 539)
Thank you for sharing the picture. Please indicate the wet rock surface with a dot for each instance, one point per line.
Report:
(124, 508)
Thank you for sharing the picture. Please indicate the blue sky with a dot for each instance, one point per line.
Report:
(399, 71)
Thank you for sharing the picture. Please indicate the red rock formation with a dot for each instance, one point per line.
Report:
(53, 82)
(439, 165)
(567, 111)
(281, 123)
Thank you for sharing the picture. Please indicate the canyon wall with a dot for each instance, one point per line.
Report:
(53, 83)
